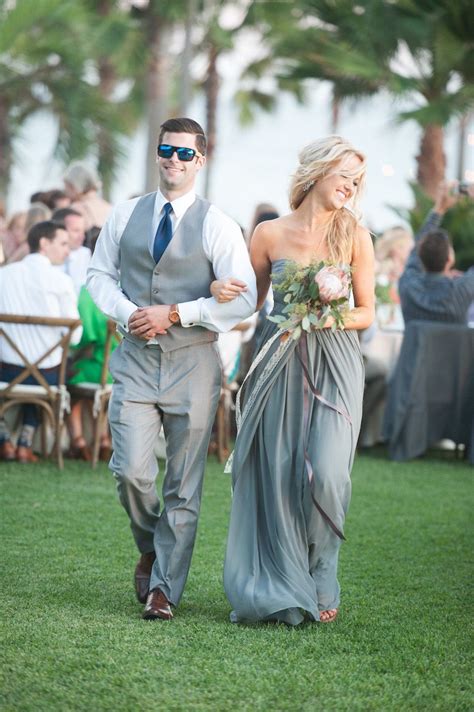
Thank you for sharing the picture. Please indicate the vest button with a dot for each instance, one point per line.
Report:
(155, 291)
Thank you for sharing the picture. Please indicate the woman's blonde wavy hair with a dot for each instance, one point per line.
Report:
(317, 160)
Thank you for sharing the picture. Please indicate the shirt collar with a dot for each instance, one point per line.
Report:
(36, 257)
(180, 205)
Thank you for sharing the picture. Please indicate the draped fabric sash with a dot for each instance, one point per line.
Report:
(308, 391)
(286, 343)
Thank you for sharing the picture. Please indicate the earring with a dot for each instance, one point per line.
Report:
(308, 185)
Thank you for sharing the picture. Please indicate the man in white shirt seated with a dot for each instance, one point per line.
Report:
(77, 262)
(34, 287)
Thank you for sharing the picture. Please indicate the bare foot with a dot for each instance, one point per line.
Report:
(328, 616)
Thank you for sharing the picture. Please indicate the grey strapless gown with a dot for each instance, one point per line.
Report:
(286, 526)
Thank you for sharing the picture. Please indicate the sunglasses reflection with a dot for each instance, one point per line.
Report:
(183, 152)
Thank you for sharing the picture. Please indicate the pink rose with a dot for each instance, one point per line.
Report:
(333, 283)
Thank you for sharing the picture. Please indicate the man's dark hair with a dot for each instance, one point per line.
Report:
(433, 250)
(268, 215)
(47, 229)
(52, 196)
(188, 126)
(59, 215)
(38, 197)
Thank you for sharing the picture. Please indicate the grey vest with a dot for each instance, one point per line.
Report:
(183, 274)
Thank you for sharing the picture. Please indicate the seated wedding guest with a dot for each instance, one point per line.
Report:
(33, 287)
(230, 346)
(79, 256)
(3, 227)
(15, 234)
(263, 212)
(87, 361)
(37, 212)
(376, 372)
(82, 186)
(392, 249)
(429, 290)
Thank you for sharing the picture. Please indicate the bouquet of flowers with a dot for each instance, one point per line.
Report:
(313, 294)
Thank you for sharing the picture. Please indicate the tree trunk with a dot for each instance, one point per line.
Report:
(5, 150)
(212, 92)
(462, 140)
(431, 159)
(156, 92)
(106, 145)
(186, 58)
(335, 112)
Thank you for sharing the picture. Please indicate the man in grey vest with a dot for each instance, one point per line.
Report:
(151, 272)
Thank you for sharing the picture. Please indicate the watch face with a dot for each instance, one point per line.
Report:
(174, 317)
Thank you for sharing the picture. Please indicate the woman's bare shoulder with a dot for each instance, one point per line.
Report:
(269, 229)
(362, 245)
(362, 241)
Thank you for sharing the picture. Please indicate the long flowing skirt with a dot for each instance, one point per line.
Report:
(291, 477)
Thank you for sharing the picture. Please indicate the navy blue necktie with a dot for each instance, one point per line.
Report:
(163, 234)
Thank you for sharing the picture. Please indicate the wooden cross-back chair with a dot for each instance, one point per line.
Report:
(98, 393)
(224, 420)
(52, 400)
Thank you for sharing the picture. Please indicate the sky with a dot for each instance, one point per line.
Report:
(254, 164)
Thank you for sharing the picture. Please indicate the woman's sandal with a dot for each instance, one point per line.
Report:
(79, 450)
(329, 616)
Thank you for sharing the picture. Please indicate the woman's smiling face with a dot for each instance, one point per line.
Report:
(337, 188)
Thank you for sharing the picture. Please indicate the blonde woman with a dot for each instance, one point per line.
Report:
(301, 406)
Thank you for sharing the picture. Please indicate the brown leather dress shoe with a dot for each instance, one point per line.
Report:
(157, 606)
(142, 575)
(7, 451)
(25, 455)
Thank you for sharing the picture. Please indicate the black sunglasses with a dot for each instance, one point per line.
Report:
(183, 153)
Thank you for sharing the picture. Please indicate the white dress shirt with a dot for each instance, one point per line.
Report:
(34, 287)
(223, 245)
(76, 266)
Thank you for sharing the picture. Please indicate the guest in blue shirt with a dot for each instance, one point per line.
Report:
(428, 288)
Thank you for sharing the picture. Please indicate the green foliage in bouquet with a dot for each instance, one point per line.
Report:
(313, 293)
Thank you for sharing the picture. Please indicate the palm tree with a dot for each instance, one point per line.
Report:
(216, 40)
(185, 83)
(158, 21)
(419, 51)
(45, 65)
(116, 44)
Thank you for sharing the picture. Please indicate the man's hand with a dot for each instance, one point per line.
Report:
(147, 322)
(225, 290)
(446, 197)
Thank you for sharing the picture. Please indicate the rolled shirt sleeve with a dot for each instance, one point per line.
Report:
(225, 248)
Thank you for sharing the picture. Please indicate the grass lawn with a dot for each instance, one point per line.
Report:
(73, 638)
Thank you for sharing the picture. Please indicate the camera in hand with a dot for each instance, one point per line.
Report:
(463, 188)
